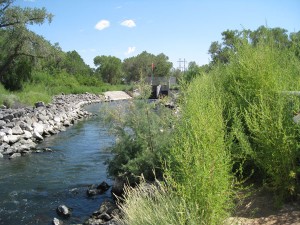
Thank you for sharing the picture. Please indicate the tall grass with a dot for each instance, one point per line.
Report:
(150, 204)
(44, 85)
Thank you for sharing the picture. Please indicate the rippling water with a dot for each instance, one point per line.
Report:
(32, 187)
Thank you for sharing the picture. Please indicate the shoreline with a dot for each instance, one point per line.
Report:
(22, 129)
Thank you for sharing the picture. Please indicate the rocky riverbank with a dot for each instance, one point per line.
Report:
(21, 129)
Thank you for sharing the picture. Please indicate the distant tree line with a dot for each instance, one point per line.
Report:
(23, 52)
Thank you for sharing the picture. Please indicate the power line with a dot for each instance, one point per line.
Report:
(184, 63)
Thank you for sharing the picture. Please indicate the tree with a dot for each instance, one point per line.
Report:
(140, 66)
(17, 43)
(109, 68)
(75, 65)
(232, 39)
(192, 72)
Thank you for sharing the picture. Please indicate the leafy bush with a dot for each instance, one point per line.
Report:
(143, 131)
(259, 111)
(199, 166)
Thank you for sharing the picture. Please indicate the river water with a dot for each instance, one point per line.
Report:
(31, 187)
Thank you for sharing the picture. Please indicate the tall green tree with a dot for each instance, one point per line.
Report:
(140, 66)
(109, 68)
(17, 43)
(232, 39)
(75, 65)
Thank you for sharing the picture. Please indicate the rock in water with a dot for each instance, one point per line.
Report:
(63, 211)
(103, 186)
(57, 222)
(15, 155)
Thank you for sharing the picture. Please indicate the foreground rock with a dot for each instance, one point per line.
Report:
(63, 211)
(21, 129)
(97, 190)
(106, 214)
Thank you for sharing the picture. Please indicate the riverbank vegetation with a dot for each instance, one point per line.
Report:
(235, 130)
(234, 125)
(33, 69)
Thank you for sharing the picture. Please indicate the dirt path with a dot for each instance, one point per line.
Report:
(258, 209)
(116, 95)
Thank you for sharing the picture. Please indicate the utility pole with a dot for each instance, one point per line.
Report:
(182, 61)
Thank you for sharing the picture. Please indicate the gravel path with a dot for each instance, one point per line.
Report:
(116, 95)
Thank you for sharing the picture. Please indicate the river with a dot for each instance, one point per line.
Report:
(31, 187)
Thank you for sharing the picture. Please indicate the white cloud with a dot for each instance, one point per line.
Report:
(128, 23)
(130, 50)
(102, 24)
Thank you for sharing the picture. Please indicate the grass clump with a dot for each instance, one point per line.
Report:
(149, 204)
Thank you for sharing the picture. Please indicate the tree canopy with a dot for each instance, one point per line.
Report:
(144, 64)
(19, 46)
(109, 68)
(220, 52)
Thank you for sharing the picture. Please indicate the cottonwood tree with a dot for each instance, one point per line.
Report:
(145, 65)
(19, 46)
(109, 68)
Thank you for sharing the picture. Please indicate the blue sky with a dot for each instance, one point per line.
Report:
(181, 29)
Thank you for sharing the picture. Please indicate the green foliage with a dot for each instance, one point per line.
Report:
(150, 204)
(18, 72)
(220, 52)
(235, 120)
(259, 111)
(141, 64)
(199, 165)
(142, 130)
(74, 65)
(109, 69)
(19, 46)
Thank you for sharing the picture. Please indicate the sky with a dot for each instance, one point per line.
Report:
(180, 29)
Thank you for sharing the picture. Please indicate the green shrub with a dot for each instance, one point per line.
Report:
(143, 131)
(199, 166)
(273, 137)
(259, 114)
